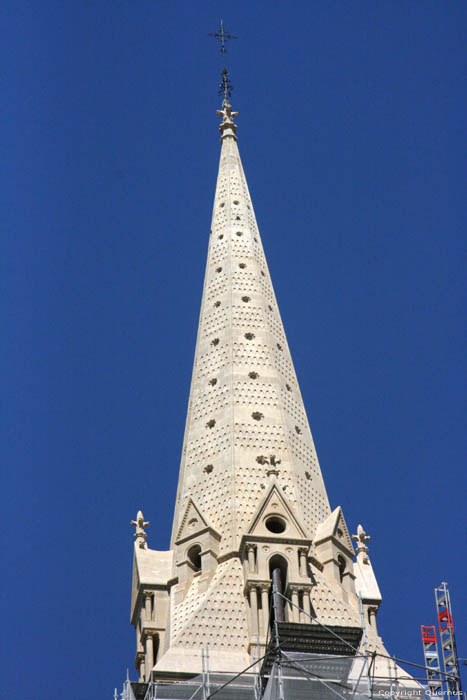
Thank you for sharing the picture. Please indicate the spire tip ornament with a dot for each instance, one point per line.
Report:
(227, 126)
(225, 87)
(222, 36)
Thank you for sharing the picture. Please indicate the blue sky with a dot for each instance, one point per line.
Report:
(352, 135)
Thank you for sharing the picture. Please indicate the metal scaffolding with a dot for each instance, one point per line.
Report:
(448, 641)
(430, 652)
(347, 673)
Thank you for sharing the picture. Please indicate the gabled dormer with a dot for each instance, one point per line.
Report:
(275, 518)
(196, 549)
(192, 522)
(275, 530)
(334, 550)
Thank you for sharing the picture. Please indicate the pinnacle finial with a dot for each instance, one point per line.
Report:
(225, 86)
(227, 126)
(140, 535)
(361, 538)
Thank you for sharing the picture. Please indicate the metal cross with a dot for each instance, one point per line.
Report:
(222, 36)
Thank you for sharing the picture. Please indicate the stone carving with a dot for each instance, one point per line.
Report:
(228, 126)
(361, 539)
(140, 535)
(272, 460)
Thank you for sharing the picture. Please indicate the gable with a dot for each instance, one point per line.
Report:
(342, 533)
(192, 522)
(335, 527)
(275, 511)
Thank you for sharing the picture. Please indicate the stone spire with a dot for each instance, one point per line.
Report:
(251, 497)
(245, 401)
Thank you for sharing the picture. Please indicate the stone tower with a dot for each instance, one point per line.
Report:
(251, 495)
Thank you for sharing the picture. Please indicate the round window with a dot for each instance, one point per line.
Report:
(276, 524)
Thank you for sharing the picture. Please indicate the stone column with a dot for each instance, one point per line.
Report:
(148, 605)
(254, 610)
(251, 557)
(372, 610)
(149, 660)
(295, 610)
(302, 552)
(161, 643)
(307, 606)
(140, 666)
(300, 602)
(265, 605)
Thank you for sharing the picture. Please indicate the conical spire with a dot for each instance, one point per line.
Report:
(251, 502)
(245, 409)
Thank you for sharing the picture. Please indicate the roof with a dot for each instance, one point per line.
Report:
(154, 567)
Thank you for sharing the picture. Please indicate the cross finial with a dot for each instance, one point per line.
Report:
(140, 535)
(222, 36)
(225, 87)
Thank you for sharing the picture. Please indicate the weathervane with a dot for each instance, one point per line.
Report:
(225, 87)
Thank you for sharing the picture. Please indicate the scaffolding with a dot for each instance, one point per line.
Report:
(348, 673)
(291, 676)
(448, 641)
(430, 653)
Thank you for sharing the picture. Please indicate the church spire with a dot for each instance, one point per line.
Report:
(245, 403)
(251, 497)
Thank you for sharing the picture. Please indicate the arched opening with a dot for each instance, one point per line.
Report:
(278, 576)
(342, 565)
(194, 555)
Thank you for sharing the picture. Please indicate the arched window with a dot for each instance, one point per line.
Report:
(342, 566)
(194, 555)
(278, 575)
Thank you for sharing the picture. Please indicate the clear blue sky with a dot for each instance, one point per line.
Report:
(352, 134)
